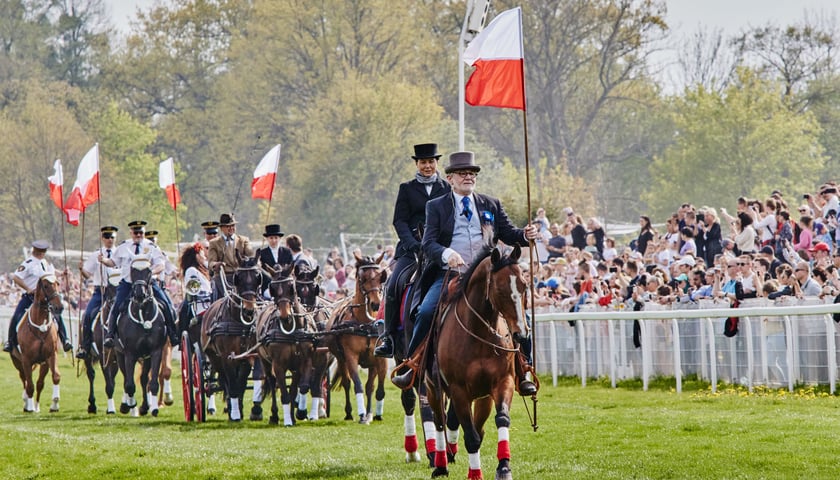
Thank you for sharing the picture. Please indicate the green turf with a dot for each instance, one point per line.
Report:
(584, 433)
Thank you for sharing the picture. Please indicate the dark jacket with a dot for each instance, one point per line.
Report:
(284, 257)
(410, 213)
(440, 225)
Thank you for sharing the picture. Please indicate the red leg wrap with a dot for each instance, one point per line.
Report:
(411, 443)
(503, 450)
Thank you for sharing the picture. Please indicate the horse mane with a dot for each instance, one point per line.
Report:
(485, 252)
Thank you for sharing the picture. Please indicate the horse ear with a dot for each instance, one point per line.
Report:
(357, 256)
(379, 258)
(315, 273)
(383, 276)
(297, 270)
(495, 256)
(516, 253)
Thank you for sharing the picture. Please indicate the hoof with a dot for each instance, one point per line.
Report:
(364, 419)
(168, 400)
(124, 408)
(440, 472)
(349, 416)
(91, 409)
(412, 457)
(53, 410)
(274, 420)
(377, 418)
(255, 417)
(503, 470)
(111, 412)
(144, 411)
(211, 411)
(301, 414)
(155, 412)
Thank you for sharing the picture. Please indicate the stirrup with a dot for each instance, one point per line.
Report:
(404, 381)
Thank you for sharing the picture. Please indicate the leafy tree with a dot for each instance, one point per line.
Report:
(743, 142)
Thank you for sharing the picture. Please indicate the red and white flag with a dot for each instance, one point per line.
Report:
(166, 178)
(498, 56)
(57, 185)
(262, 186)
(86, 189)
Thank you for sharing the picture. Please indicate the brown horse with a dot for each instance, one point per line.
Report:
(475, 356)
(317, 309)
(286, 344)
(227, 331)
(38, 343)
(354, 339)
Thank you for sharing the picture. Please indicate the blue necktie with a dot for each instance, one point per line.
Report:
(466, 212)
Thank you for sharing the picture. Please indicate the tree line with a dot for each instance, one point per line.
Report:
(348, 86)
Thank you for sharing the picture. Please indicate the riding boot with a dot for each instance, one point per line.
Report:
(86, 341)
(169, 317)
(405, 380)
(522, 367)
(386, 348)
(108, 341)
(62, 334)
(11, 340)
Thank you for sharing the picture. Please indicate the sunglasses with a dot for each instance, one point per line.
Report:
(137, 233)
(742, 264)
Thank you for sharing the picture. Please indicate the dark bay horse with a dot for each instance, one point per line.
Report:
(286, 344)
(475, 357)
(105, 357)
(141, 333)
(38, 343)
(227, 331)
(354, 339)
(318, 311)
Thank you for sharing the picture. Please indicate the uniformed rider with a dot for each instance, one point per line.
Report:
(409, 216)
(97, 272)
(26, 277)
(137, 245)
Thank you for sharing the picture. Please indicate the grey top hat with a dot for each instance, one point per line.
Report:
(425, 150)
(462, 161)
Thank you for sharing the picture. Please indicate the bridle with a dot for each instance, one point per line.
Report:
(237, 299)
(143, 286)
(362, 287)
(45, 302)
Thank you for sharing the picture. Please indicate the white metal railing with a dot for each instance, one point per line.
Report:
(778, 343)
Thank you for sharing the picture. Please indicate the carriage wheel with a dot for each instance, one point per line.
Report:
(199, 393)
(187, 377)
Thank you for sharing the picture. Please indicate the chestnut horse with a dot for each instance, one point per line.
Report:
(38, 343)
(227, 331)
(354, 337)
(286, 344)
(318, 312)
(475, 356)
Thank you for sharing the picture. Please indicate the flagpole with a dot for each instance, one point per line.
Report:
(64, 246)
(175, 210)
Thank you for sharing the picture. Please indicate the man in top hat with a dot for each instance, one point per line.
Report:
(211, 231)
(452, 238)
(274, 253)
(122, 258)
(27, 276)
(409, 217)
(225, 251)
(96, 271)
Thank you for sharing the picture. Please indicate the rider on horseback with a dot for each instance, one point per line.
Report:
(94, 269)
(138, 245)
(409, 214)
(26, 277)
(457, 227)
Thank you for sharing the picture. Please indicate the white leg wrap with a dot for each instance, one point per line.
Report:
(287, 415)
(56, 392)
(235, 414)
(29, 405)
(167, 386)
(111, 408)
(125, 398)
(257, 391)
(211, 403)
(453, 435)
(301, 402)
(429, 430)
(475, 460)
(440, 441)
(410, 426)
(380, 407)
(152, 400)
(313, 412)
(360, 404)
(504, 434)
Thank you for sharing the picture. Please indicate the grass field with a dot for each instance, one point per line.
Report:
(584, 433)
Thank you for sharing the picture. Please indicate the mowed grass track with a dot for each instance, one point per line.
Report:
(585, 433)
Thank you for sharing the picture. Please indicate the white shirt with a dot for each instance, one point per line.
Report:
(125, 254)
(31, 270)
(95, 269)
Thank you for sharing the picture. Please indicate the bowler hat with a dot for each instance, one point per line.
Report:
(138, 225)
(425, 150)
(462, 161)
(226, 220)
(273, 230)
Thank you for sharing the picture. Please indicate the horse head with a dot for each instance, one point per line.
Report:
(370, 278)
(307, 288)
(282, 290)
(47, 293)
(247, 280)
(506, 289)
(141, 278)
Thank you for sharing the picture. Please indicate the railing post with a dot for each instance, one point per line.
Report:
(581, 331)
(552, 335)
(750, 359)
(789, 350)
(677, 354)
(646, 356)
(712, 354)
(765, 362)
(831, 354)
(613, 352)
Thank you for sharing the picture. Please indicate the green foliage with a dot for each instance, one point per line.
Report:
(743, 142)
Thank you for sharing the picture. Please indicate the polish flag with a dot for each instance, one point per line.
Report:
(262, 186)
(166, 178)
(497, 55)
(86, 189)
(57, 185)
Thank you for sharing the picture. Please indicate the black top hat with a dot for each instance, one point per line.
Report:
(425, 150)
(462, 161)
(109, 231)
(211, 227)
(226, 220)
(273, 230)
(151, 234)
(138, 225)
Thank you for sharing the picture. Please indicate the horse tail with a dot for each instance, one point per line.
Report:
(339, 375)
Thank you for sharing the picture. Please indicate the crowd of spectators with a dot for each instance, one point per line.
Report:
(766, 248)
